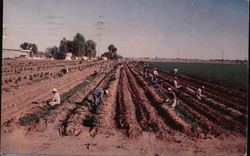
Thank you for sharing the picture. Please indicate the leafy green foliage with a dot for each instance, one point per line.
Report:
(226, 73)
(27, 119)
(221, 108)
(112, 53)
(90, 48)
(72, 91)
(52, 52)
(79, 43)
(78, 47)
(63, 49)
(31, 46)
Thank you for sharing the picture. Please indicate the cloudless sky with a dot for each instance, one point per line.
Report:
(138, 28)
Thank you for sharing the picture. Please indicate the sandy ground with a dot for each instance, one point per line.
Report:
(108, 138)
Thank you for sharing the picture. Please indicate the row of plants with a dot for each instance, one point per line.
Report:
(36, 116)
(93, 119)
(220, 107)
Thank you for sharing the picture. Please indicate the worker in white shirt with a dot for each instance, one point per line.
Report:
(150, 76)
(155, 73)
(154, 79)
(141, 73)
(56, 99)
(171, 97)
(101, 69)
(198, 92)
(175, 83)
(176, 71)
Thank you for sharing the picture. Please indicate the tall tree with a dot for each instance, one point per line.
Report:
(112, 53)
(72, 48)
(34, 48)
(79, 43)
(52, 52)
(63, 49)
(90, 48)
(24, 45)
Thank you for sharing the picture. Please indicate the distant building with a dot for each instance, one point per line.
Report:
(27, 53)
(16, 53)
(85, 58)
(68, 56)
(104, 58)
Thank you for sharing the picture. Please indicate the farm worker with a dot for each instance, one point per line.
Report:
(155, 78)
(95, 73)
(145, 70)
(175, 83)
(141, 72)
(98, 94)
(171, 97)
(102, 69)
(155, 73)
(176, 71)
(56, 99)
(198, 92)
(145, 75)
(150, 76)
(64, 71)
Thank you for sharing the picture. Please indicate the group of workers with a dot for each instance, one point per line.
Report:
(97, 94)
(153, 76)
(171, 96)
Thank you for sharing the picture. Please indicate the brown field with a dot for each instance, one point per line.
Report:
(132, 120)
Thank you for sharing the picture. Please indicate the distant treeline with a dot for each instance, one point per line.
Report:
(79, 47)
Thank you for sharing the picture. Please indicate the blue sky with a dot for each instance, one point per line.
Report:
(165, 28)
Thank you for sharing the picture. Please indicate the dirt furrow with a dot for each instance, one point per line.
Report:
(61, 116)
(216, 97)
(154, 121)
(209, 113)
(169, 116)
(125, 110)
(83, 113)
(236, 90)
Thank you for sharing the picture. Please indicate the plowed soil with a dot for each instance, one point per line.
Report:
(133, 119)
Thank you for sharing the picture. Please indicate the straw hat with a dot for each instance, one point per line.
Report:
(54, 90)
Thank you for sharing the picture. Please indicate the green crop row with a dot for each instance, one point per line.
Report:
(221, 108)
(35, 116)
(234, 74)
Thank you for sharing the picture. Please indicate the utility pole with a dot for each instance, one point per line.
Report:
(99, 27)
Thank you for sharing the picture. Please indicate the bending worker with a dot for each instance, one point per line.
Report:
(171, 97)
(98, 95)
(198, 92)
(64, 71)
(176, 71)
(155, 76)
(175, 83)
(56, 100)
